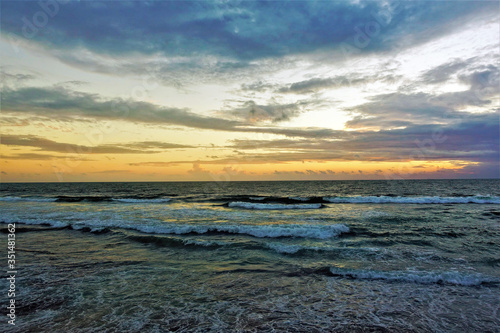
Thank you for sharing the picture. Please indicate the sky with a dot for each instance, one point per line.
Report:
(249, 90)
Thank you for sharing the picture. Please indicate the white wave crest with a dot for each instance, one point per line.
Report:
(52, 223)
(27, 199)
(262, 206)
(415, 200)
(260, 231)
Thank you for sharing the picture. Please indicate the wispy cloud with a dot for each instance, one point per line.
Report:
(44, 157)
(43, 144)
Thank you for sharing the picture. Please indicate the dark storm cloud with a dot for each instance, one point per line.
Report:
(246, 30)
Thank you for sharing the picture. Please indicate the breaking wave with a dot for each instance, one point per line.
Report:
(259, 231)
(86, 199)
(414, 200)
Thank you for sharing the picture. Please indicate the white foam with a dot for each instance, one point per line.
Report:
(262, 206)
(27, 199)
(257, 198)
(260, 231)
(52, 223)
(422, 277)
(415, 200)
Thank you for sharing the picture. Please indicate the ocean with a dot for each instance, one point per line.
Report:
(303, 256)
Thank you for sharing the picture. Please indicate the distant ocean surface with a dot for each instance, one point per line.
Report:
(311, 256)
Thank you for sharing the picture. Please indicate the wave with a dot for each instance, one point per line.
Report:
(28, 199)
(303, 199)
(259, 231)
(420, 277)
(415, 200)
(131, 200)
(297, 248)
(265, 202)
(257, 198)
(268, 199)
(86, 199)
(388, 198)
(270, 206)
(39, 222)
(174, 242)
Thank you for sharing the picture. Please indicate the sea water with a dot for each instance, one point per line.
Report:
(311, 256)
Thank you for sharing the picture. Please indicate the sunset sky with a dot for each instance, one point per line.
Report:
(230, 90)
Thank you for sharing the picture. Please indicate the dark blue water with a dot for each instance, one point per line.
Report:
(257, 256)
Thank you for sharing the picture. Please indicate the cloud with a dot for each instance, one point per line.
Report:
(198, 170)
(43, 144)
(242, 30)
(473, 137)
(253, 113)
(258, 86)
(41, 157)
(65, 104)
(399, 109)
(484, 81)
(11, 78)
(266, 55)
(111, 171)
(443, 72)
(317, 84)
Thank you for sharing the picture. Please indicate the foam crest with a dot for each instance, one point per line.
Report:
(47, 222)
(415, 200)
(27, 199)
(260, 231)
